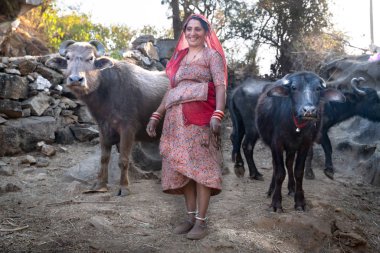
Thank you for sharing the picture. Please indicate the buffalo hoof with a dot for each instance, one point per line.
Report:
(97, 187)
(258, 177)
(276, 209)
(239, 171)
(309, 174)
(329, 173)
(123, 191)
(300, 208)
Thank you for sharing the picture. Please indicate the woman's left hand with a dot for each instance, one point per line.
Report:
(215, 126)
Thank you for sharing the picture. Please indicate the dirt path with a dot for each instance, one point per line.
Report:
(51, 214)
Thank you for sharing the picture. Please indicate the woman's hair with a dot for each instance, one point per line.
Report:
(203, 23)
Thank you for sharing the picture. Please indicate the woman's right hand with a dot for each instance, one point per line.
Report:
(151, 127)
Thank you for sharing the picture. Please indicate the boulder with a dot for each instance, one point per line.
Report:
(22, 135)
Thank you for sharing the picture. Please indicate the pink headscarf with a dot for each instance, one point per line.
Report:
(182, 49)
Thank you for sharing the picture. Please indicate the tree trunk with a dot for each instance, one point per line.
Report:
(177, 23)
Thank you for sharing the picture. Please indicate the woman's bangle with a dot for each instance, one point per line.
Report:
(218, 114)
(216, 117)
(156, 116)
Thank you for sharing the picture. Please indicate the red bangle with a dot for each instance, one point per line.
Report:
(156, 116)
(216, 117)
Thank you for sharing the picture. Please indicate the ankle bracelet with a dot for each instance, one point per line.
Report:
(201, 219)
(193, 212)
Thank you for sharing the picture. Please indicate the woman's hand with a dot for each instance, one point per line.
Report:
(215, 126)
(151, 127)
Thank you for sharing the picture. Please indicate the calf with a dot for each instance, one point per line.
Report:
(119, 95)
(288, 118)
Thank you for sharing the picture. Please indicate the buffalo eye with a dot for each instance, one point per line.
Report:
(90, 59)
(319, 88)
(67, 57)
(293, 87)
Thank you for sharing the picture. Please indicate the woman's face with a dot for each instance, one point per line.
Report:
(194, 33)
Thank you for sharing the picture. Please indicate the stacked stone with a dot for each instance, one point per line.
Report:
(35, 107)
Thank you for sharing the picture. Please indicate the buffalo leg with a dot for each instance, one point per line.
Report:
(248, 147)
(309, 173)
(236, 139)
(327, 148)
(299, 197)
(289, 166)
(279, 176)
(271, 186)
(126, 141)
(102, 180)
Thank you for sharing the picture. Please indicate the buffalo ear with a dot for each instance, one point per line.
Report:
(278, 91)
(103, 63)
(57, 62)
(333, 95)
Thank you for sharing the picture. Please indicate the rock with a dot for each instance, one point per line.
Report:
(101, 223)
(6, 171)
(11, 108)
(148, 50)
(48, 150)
(84, 115)
(2, 120)
(27, 66)
(142, 39)
(38, 104)
(42, 83)
(13, 87)
(84, 133)
(50, 74)
(69, 104)
(12, 71)
(166, 48)
(64, 136)
(28, 159)
(42, 162)
(27, 112)
(23, 134)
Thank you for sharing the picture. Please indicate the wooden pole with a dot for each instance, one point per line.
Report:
(371, 25)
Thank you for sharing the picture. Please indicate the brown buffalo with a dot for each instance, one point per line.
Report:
(120, 96)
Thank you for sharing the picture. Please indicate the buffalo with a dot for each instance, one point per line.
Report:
(289, 118)
(119, 95)
(360, 101)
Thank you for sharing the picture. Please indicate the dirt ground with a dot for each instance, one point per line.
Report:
(51, 214)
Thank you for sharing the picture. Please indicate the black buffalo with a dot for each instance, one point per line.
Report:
(360, 101)
(120, 96)
(287, 118)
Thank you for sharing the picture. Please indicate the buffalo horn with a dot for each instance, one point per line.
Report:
(99, 47)
(64, 45)
(354, 82)
(285, 80)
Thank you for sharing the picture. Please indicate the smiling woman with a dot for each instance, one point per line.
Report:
(134, 14)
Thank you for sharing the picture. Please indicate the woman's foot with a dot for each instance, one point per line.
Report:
(198, 231)
(186, 225)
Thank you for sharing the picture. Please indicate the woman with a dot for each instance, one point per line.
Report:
(194, 104)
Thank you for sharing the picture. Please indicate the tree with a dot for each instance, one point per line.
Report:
(182, 9)
(74, 25)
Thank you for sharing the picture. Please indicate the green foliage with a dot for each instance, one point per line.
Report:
(73, 25)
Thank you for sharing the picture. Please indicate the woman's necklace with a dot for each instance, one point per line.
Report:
(187, 62)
